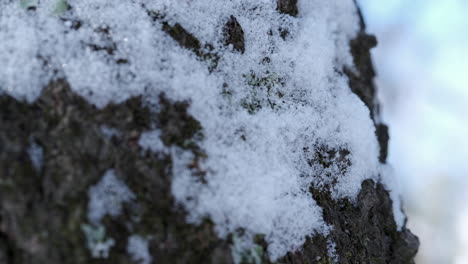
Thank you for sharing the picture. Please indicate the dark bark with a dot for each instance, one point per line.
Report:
(287, 7)
(234, 35)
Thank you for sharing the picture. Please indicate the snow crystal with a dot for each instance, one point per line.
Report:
(138, 250)
(107, 196)
(276, 118)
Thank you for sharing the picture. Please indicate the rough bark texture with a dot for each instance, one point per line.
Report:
(43, 209)
(234, 34)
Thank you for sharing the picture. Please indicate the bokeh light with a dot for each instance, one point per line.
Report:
(422, 67)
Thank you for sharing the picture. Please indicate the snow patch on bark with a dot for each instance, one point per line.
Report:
(107, 196)
(391, 183)
(152, 141)
(36, 155)
(265, 112)
(138, 249)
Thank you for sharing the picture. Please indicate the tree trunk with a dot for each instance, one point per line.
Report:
(56, 149)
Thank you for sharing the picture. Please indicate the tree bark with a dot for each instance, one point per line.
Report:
(43, 205)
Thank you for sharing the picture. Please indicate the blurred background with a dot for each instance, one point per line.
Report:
(422, 66)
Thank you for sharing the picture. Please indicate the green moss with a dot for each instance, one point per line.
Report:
(252, 105)
(265, 92)
(268, 81)
(98, 244)
(61, 6)
(27, 4)
(253, 255)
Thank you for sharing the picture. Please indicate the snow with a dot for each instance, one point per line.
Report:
(258, 117)
(36, 155)
(138, 250)
(97, 243)
(152, 141)
(242, 254)
(109, 132)
(331, 247)
(392, 184)
(107, 196)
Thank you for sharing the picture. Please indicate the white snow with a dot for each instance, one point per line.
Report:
(97, 243)
(107, 196)
(109, 132)
(392, 184)
(138, 250)
(331, 247)
(258, 174)
(36, 154)
(152, 141)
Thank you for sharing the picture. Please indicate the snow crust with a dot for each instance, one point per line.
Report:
(265, 113)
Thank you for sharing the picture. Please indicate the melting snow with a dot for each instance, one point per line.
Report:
(263, 112)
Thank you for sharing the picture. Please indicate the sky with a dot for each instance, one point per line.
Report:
(422, 67)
